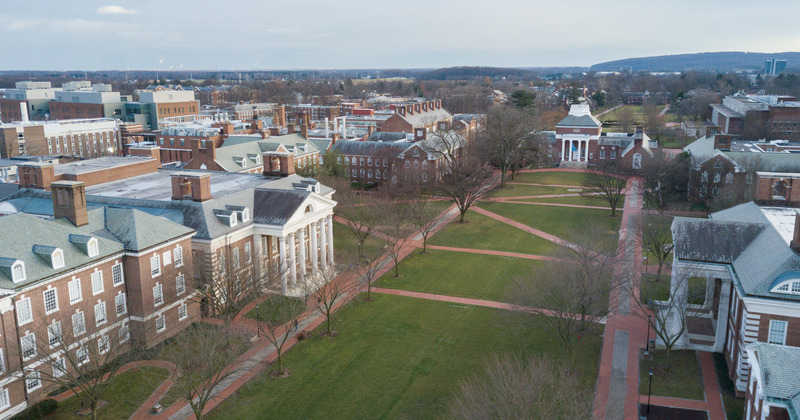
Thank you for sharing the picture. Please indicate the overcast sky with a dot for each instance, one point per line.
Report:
(346, 34)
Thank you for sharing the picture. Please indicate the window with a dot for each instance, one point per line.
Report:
(637, 161)
(182, 312)
(54, 334)
(177, 255)
(78, 324)
(124, 333)
(24, 311)
(75, 295)
(369, 173)
(704, 177)
(613, 153)
(92, 247)
(161, 323)
(116, 274)
(58, 259)
(59, 367)
(155, 266)
(729, 178)
(777, 332)
(222, 266)
(235, 258)
(28, 344)
(158, 295)
(408, 164)
(33, 381)
(2, 362)
(18, 272)
(416, 164)
(716, 176)
(180, 285)
(248, 253)
(602, 154)
(103, 345)
(97, 282)
(748, 178)
(100, 314)
(361, 161)
(120, 304)
(424, 177)
(5, 402)
(83, 355)
(369, 161)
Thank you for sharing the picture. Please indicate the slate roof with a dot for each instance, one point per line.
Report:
(703, 149)
(418, 119)
(369, 148)
(387, 136)
(780, 373)
(7, 189)
(579, 121)
(276, 207)
(20, 232)
(237, 149)
(712, 240)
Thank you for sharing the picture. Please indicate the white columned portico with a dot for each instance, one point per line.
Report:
(314, 252)
(282, 259)
(322, 244)
(329, 221)
(259, 250)
(292, 260)
(302, 233)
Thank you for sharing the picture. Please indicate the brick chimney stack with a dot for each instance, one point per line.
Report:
(36, 175)
(192, 186)
(69, 200)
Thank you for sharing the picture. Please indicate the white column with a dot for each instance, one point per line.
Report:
(330, 239)
(323, 260)
(586, 159)
(282, 267)
(259, 253)
(314, 252)
(292, 260)
(302, 253)
(563, 150)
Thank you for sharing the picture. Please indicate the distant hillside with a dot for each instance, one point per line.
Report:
(469, 73)
(711, 61)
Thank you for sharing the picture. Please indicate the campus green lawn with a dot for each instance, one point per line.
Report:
(518, 190)
(734, 407)
(550, 177)
(659, 290)
(125, 395)
(275, 308)
(397, 357)
(683, 380)
(587, 200)
(558, 221)
(344, 242)
(483, 232)
(457, 274)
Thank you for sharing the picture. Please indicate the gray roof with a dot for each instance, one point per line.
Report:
(20, 233)
(579, 121)
(703, 149)
(7, 189)
(712, 240)
(780, 373)
(243, 149)
(275, 207)
(138, 230)
(387, 136)
(321, 144)
(419, 119)
(370, 148)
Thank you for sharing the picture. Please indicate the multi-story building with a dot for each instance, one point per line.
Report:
(99, 277)
(774, 66)
(212, 95)
(418, 117)
(315, 112)
(772, 116)
(276, 156)
(84, 138)
(34, 97)
(82, 100)
(154, 107)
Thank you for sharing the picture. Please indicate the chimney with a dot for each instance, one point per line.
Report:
(304, 130)
(188, 185)
(711, 130)
(795, 244)
(334, 138)
(23, 110)
(264, 134)
(287, 164)
(370, 130)
(36, 175)
(290, 128)
(281, 111)
(274, 131)
(416, 108)
(327, 129)
(69, 200)
(722, 141)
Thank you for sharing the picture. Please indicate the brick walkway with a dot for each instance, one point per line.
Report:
(498, 253)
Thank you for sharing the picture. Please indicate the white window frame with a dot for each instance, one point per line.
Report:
(774, 329)
(100, 314)
(177, 256)
(5, 402)
(117, 274)
(24, 311)
(18, 272)
(180, 284)
(155, 266)
(163, 321)
(58, 259)
(97, 283)
(120, 301)
(158, 295)
(2, 362)
(82, 324)
(54, 294)
(92, 249)
(80, 360)
(59, 367)
(167, 258)
(30, 339)
(33, 381)
(75, 286)
(103, 344)
(248, 253)
(235, 258)
(124, 333)
(183, 312)
(55, 338)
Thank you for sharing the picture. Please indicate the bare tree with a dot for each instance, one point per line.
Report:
(277, 318)
(367, 270)
(337, 286)
(397, 227)
(625, 118)
(665, 180)
(75, 359)
(656, 238)
(507, 138)
(465, 183)
(609, 183)
(204, 359)
(511, 389)
(421, 211)
(361, 210)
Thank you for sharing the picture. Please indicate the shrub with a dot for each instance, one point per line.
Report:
(39, 410)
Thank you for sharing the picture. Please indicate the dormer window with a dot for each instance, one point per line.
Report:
(58, 259)
(246, 215)
(787, 283)
(18, 271)
(87, 244)
(92, 249)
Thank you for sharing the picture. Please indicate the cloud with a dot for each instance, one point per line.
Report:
(115, 10)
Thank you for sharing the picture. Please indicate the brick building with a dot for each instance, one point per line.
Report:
(86, 138)
(277, 156)
(315, 112)
(156, 106)
(32, 97)
(774, 116)
(418, 117)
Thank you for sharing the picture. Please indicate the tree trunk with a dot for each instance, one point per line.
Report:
(280, 363)
(503, 171)
(396, 268)
(461, 218)
(658, 276)
(666, 359)
(198, 411)
(328, 322)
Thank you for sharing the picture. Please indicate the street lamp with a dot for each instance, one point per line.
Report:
(649, 389)
(647, 344)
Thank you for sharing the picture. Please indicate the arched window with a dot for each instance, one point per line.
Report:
(424, 164)
(18, 272)
(92, 247)
(729, 178)
(637, 161)
(58, 258)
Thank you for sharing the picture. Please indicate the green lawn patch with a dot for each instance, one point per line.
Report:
(396, 357)
(577, 200)
(683, 380)
(344, 242)
(457, 274)
(483, 232)
(558, 221)
(519, 190)
(734, 407)
(125, 395)
(550, 177)
(659, 290)
(269, 310)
